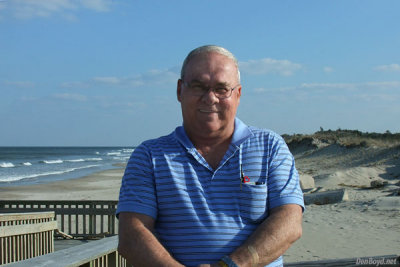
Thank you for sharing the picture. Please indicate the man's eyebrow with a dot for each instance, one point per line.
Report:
(195, 81)
(222, 84)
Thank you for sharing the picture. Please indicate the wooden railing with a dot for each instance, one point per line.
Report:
(27, 235)
(103, 253)
(100, 253)
(80, 219)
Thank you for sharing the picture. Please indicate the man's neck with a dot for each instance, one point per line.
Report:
(210, 140)
(213, 150)
(211, 146)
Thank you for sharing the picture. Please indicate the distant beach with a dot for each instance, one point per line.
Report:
(367, 224)
(103, 185)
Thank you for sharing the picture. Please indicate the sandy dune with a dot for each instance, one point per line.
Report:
(368, 224)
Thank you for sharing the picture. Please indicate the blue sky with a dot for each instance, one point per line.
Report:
(98, 72)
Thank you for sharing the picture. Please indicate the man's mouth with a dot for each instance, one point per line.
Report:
(207, 111)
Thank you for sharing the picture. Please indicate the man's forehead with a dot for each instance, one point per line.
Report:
(210, 64)
(210, 56)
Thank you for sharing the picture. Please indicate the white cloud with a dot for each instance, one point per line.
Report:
(269, 65)
(19, 84)
(383, 85)
(97, 5)
(107, 80)
(75, 85)
(389, 90)
(328, 69)
(388, 68)
(378, 97)
(29, 98)
(280, 89)
(328, 86)
(26, 9)
(67, 96)
(167, 77)
(157, 77)
(343, 96)
(353, 86)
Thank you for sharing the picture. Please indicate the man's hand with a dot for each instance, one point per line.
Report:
(272, 237)
(209, 265)
(138, 244)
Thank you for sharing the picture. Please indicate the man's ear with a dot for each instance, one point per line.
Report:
(179, 90)
(240, 91)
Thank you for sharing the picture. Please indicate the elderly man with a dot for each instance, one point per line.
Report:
(215, 192)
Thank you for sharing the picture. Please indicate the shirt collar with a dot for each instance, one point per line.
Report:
(240, 134)
(181, 136)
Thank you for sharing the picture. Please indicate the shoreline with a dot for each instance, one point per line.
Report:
(102, 185)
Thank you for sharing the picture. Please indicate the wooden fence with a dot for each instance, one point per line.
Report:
(80, 219)
(100, 253)
(103, 253)
(24, 236)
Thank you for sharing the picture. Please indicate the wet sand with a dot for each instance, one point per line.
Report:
(102, 185)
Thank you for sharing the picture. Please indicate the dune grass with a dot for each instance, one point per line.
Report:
(345, 138)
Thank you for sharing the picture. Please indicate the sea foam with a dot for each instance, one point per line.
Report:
(75, 160)
(94, 159)
(6, 165)
(57, 161)
(83, 160)
(34, 175)
(113, 153)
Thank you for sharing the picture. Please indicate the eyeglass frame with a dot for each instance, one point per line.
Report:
(188, 85)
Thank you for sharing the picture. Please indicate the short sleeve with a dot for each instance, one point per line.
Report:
(283, 178)
(137, 193)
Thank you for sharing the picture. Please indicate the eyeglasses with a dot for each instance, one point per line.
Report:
(221, 92)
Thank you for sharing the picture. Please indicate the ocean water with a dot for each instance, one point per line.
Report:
(35, 165)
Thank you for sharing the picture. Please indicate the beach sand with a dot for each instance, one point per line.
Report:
(97, 186)
(368, 224)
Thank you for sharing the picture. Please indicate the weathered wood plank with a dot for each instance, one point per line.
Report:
(65, 211)
(74, 256)
(70, 215)
(7, 217)
(4, 203)
(15, 230)
(26, 235)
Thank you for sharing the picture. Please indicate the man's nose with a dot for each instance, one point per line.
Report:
(209, 97)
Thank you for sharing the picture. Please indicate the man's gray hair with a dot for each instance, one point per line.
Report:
(209, 49)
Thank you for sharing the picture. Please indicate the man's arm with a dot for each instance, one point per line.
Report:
(138, 244)
(272, 237)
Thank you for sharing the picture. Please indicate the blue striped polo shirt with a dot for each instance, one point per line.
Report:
(203, 213)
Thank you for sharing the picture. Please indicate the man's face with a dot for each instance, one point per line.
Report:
(208, 115)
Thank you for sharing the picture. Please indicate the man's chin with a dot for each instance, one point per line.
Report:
(210, 127)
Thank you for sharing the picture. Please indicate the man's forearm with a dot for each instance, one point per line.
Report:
(272, 238)
(141, 248)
